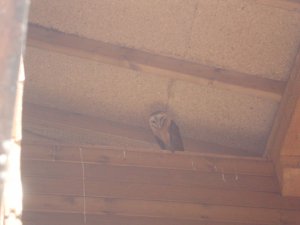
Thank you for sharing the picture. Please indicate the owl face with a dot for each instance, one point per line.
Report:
(157, 120)
(165, 131)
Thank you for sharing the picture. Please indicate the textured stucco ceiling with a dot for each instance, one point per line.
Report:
(241, 35)
(237, 35)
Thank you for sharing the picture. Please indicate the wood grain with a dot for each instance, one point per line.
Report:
(164, 209)
(285, 113)
(149, 158)
(173, 68)
(125, 190)
(132, 174)
(51, 203)
(284, 139)
(291, 144)
(59, 119)
(135, 190)
(291, 5)
(50, 218)
(46, 218)
(54, 186)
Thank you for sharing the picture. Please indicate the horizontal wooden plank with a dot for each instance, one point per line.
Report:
(290, 217)
(47, 218)
(210, 196)
(33, 113)
(55, 186)
(51, 152)
(179, 177)
(175, 210)
(291, 5)
(50, 218)
(181, 210)
(132, 174)
(149, 158)
(173, 68)
(77, 123)
(51, 169)
(142, 220)
(53, 203)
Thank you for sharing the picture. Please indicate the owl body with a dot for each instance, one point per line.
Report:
(166, 132)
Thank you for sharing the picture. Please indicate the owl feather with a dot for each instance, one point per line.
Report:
(166, 132)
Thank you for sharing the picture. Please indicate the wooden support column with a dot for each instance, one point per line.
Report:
(290, 157)
(13, 21)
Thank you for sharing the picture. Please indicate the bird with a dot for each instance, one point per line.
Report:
(165, 131)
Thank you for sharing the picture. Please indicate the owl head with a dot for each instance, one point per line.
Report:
(157, 120)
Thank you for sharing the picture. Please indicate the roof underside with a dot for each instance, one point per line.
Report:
(236, 35)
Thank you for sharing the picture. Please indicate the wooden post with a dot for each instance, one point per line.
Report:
(13, 24)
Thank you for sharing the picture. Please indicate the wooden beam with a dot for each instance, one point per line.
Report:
(284, 139)
(285, 113)
(291, 5)
(13, 27)
(36, 114)
(32, 217)
(108, 219)
(33, 113)
(202, 195)
(133, 174)
(52, 40)
(71, 180)
(148, 158)
(288, 170)
(159, 209)
(54, 218)
(291, 143)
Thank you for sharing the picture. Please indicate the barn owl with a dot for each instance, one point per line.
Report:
(165, 131)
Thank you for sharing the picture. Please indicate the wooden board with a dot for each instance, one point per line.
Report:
(50, 218)
(44, 218)
(291, 5)
(173, 68)
(291, 143)
(101, 186)
(284, 139)
(126, 190)
(149, 158)
(59, 119)
(164, 209)
(132, 174)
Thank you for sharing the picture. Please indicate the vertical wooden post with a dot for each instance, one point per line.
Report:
(13, 25)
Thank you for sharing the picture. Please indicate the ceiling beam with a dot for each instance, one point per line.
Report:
(37, 114)
(52, 40)
(292, 5)
(284, 140)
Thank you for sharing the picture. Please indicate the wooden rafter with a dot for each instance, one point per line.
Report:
(173, 68)
(36, 114)
(284, 141)
(292, 5)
